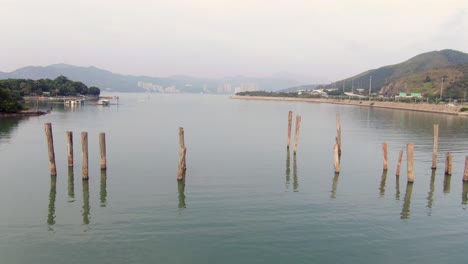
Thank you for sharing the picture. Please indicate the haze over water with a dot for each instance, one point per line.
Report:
(245, 199)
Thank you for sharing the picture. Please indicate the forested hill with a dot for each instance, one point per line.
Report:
(385, 76)
(60, 86)
(12, 91)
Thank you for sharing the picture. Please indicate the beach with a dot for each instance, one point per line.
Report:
(421, 107)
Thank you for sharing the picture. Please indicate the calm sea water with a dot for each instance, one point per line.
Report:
(245, 199)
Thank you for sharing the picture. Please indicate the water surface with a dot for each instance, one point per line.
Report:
(245, 198)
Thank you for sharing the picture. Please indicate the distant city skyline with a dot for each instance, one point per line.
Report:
(313, 41)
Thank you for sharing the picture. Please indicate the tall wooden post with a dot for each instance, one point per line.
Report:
(465, 175)
(182, 152)
(385, 156)
(102, 148)
(336, 159)
(410, 161)
(448, 164)
(290, 116)
(338, 133)
(84, 155)
(70, 148)
(436, 145)
(296, 137)
(50, 146)
(400, 157)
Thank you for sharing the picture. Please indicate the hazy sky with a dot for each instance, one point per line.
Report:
(319, 40)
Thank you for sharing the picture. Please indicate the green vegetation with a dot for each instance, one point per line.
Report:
(464, 109)
(9, 101)
(61, 86)
(12, 90)
(392, 75)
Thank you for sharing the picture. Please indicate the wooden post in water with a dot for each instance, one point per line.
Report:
(400, 157)
(410, 161)
(448, 164)
(84, 155)
(102, 148)
(296, 137)
(290, 116)
(50, 146)
(385, 156)
(465, 175)
(436, 145)
(336, 159)
(70, 148)
(182, 152)
(338, 133)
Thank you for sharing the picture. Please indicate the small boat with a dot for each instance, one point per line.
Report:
(103, 102)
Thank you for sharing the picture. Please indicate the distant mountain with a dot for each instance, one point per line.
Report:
(385, 76)
(106, 80)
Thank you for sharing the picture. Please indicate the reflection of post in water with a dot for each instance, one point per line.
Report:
(397, 188)
(383, 179)
(288, 169)
(71, 186)
(52, 195)
(447, 179)
(405, 213)
(295, 179)
(430, 194)
(85, 211)
(334, 185)
(181, 191)
(465, 193)
(103, 189)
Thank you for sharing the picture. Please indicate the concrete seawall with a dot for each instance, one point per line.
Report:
(422, 107)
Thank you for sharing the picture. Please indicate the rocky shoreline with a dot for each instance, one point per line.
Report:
(25, 113)
(421, 107)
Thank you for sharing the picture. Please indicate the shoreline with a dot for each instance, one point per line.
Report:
(24, 113)
(420, 107)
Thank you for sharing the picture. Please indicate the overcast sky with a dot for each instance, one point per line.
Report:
(320, 40)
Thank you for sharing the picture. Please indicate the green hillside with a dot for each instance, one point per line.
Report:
(429, 83)
(385, 76)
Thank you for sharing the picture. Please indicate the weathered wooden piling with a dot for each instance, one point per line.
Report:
(102, 148)
(465, 175)
(448, 163)
(436, 145)
(338, 133)
(182, 152)
(400, 157)
(385, 156)
(336, 159)
(296, 136)
(290, 116)
(181, 191)
(50, 146)
(410, 161)
(70, 148)
(84, 154)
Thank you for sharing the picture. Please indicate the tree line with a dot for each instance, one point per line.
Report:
(60, 86)
(12, 91)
